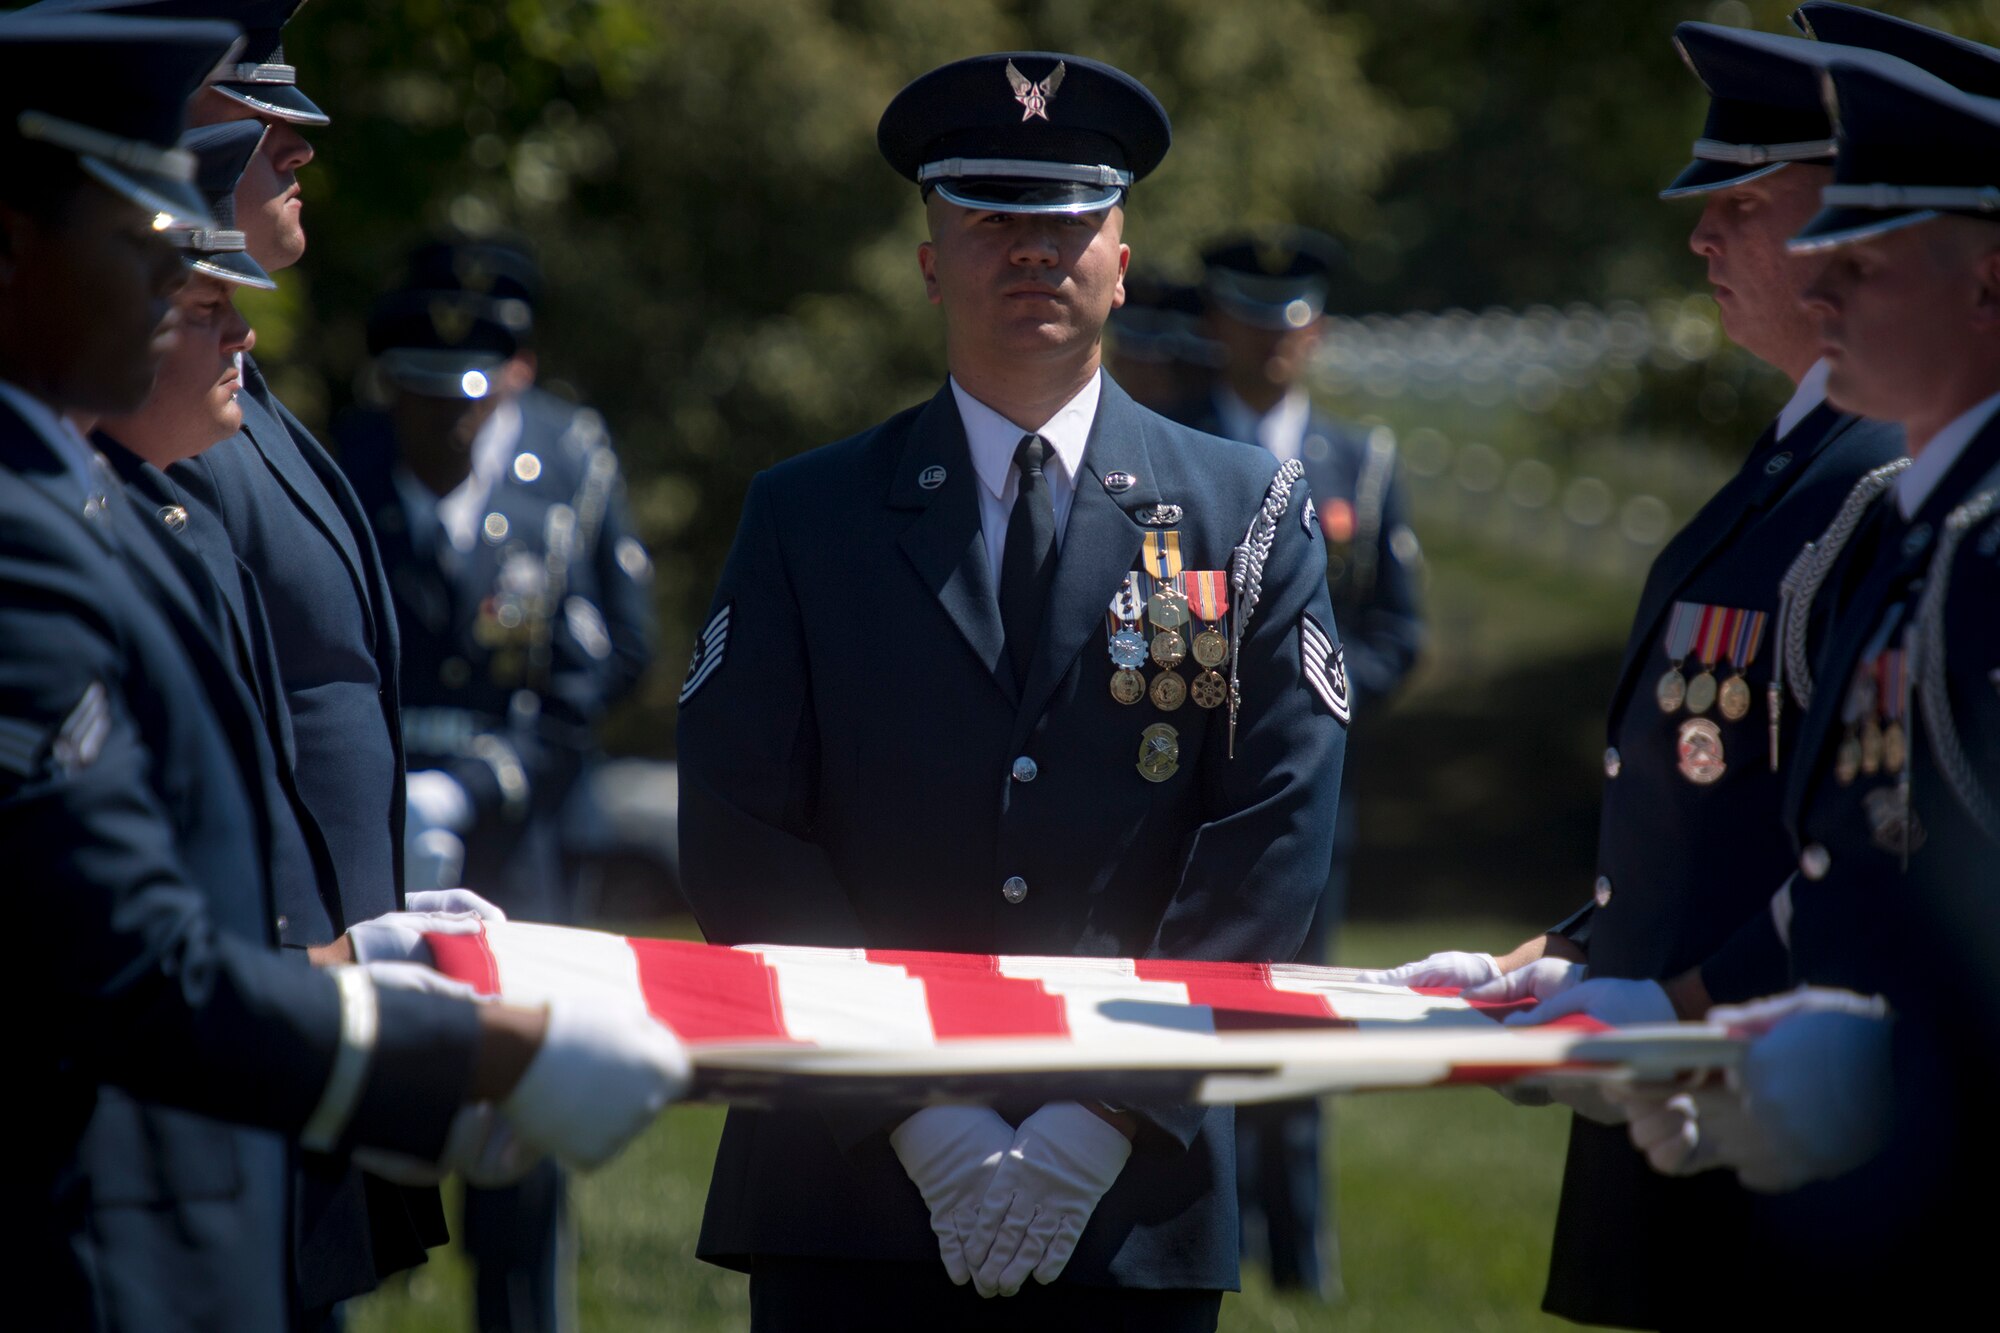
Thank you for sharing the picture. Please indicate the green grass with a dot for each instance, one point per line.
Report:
(1446, 1202)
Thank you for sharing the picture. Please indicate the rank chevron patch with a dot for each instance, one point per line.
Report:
(708, 651)
(1324, 666)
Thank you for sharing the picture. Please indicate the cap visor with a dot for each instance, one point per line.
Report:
(1295, 313)
(232, 266)
(1699, 177)
(174, 203)
(1017, 196)
(435, 374)
(1831, 227)
(280, 101)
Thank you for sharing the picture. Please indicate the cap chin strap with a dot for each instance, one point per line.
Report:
(251, 72)
(212, 241)
(1983, 198)
(1014, 168)
(1759, 154)
(174, 163)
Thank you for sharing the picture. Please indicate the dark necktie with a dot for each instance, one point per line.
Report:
(1028, 561)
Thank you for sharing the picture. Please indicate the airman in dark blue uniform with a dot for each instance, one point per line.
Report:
(965, 685)
(180, 1050)
(1265, 295)
(522, 599)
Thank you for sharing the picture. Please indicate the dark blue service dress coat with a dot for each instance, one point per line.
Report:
(1683, 864)
(858, 768)
(514, 650)
(175, 1048)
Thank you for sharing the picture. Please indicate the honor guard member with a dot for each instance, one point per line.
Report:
(1701, 733)
(1265, 296)
(521, 597)
(1156, 350)
(182, 1049)
(1892, 799)
(1025, 669)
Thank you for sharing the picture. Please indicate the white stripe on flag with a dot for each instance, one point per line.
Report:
(838, 998)
(536, 964)
(1106, 1001)
(1376, 1007)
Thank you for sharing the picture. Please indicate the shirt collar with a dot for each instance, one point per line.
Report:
(993, 439)
(1928, 468)
(1810, 394)
(1280, 430)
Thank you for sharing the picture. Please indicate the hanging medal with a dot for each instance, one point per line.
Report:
(1208, 603)
(1670, 691)
(1127, 644)
(1733, 699)
(1854, 706)
(1892, 691)
(1167, 608)
(1711, 632)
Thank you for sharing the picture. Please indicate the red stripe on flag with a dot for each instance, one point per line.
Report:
(969, 998)
(1241, 995)
(709, 994)
(467, 958)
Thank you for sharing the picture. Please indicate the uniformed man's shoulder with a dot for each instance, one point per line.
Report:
(578, 429)
(1226, 470)
(860, 461)
(1862, 445)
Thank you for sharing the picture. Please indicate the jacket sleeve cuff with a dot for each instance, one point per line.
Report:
(420, 1073)
(1576, 926)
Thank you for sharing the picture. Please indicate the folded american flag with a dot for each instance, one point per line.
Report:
(771, 1023)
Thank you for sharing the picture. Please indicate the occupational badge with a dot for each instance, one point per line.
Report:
(1699, 748)
(1159, 752)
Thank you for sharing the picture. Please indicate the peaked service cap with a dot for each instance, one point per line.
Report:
(222, 152)
(1277, 279)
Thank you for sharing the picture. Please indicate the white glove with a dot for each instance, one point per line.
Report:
(1539, 980)
(482, 1148)
(950, 1152)
(1440, 969)
(1061, 1162)
(452, 900)
(397, 974)
(436, 799)
(399, 936)
(599, 1078)
(1813, 1099)
(1614, 1000)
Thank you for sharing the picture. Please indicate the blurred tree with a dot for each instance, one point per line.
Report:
(731, 265)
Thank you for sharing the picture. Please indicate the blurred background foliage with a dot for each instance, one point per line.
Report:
(732, 280)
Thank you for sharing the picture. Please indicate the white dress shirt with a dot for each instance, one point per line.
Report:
(993, 440)
(1810, 394)
(1280, 431)
(464, 507)
(1922, 476)
(70, 446)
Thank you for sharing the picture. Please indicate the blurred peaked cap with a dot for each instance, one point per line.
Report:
(1912, 147)
(1276, 279)
(1026, 132)
(1960, 63)
(1764, 107)
(445, 344)
(222, 152)
(123, 121)
(258, 77)
(486, 268)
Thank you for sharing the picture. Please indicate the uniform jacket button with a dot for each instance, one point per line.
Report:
(282, 922)
(1814, 861)
(1025, 769)
(1603, 894)
(1612, 761)
(1015, 889)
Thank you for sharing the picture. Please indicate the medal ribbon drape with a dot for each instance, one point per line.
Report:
(1028, 561)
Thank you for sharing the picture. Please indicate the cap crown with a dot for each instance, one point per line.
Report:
(141, 72)
(1961, 63)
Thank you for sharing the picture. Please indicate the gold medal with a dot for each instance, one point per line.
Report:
(1895, 748)
(1169, 648)
(1871, 746)
(1847, 761)
(1733, 700)
(1211, 649)
(1699, 748)
(1159, 752)
(1701, 693)
(1209, 690)
(1127, 686)
(1167, 608)
(1169, 691)
(1671, 690)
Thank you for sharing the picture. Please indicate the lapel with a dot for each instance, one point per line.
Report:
(1754, 488)
(945, 542)
(33, 460)
(1902, 553)
(1100, 543)
(264, 427)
